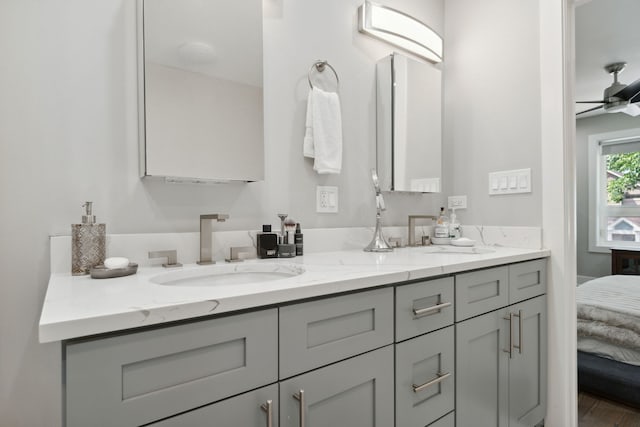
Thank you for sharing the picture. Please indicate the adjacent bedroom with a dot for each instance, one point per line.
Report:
(608, 211)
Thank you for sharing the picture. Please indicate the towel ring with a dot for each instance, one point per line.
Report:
(320, 66)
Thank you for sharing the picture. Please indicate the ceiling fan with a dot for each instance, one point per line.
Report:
(617, 98)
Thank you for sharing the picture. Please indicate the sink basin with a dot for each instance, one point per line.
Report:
(228, 274)
(447, 249)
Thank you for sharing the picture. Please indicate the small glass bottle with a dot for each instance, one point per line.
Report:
(88, 243)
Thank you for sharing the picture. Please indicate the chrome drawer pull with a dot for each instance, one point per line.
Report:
(423, 311)
(440, 377)
(268, 408)
(511, 346)
(300, 397)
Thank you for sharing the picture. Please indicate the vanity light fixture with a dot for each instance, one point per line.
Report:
(400, 29)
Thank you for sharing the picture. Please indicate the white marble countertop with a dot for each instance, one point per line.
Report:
(77, 306)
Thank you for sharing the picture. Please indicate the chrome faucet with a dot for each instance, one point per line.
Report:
(206, 244)
(412, 227)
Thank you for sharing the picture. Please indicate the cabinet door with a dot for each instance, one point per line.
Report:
(251, 409)
(482, 371)
(320, 332)
(357, 392)
(141, 377)
(528, 367)
(425, 378)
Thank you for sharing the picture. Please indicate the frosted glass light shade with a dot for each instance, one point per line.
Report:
(401, 30)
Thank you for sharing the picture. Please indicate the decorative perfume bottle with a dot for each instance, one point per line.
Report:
(88, 243)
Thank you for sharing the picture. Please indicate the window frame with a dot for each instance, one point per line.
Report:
(598, 186)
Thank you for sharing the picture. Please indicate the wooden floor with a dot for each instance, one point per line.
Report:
(596, 412)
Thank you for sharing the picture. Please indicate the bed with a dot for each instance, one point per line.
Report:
(609, 337)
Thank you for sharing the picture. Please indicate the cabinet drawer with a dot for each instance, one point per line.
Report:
(320, 332)
(527, 280)
(244, 410)
(425, 378)
(446, 421)
(356, 392)
(481, 291)
(141, 377)
(417, 307)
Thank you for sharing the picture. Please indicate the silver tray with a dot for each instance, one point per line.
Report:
(102, 272)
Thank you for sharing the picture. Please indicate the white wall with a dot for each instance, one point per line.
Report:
(492, 106)
(592, 263)
(68, 134)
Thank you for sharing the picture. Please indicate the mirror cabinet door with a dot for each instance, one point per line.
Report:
(409, 125)
(201, 89)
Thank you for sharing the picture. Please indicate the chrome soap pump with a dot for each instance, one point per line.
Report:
(88, 243)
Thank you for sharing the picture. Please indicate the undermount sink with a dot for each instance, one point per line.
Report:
(450, 249)
(228, 274)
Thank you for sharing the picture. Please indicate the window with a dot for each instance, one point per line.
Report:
(614, 190)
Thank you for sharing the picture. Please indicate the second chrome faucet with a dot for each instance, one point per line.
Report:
(206, 241)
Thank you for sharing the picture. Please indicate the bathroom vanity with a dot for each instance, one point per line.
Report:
(358, 339)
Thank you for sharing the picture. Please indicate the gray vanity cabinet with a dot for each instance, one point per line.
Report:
(457, 350)
(501, 358)
(258, 408)
(356, 392)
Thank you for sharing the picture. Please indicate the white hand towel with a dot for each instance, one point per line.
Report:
(323, 134)
(307, 148)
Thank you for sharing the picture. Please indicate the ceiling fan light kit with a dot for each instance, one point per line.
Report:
(617, 98)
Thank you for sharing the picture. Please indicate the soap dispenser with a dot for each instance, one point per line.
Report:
(441, 230)
(454, 226)
(88, 243)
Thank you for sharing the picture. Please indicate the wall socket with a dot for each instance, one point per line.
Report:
(326, 199)
(458, 202)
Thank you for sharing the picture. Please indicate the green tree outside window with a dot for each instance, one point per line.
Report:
(628, 166)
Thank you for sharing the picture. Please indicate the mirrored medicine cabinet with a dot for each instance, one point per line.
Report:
(409, 125)
(201, 90)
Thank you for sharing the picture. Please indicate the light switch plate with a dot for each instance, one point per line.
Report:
(510, 182)
(326, 199)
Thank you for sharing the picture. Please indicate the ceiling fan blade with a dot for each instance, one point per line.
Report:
(630, 92)
(590, 102)
(590, 109)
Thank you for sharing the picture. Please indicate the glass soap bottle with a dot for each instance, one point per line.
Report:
(88, 243)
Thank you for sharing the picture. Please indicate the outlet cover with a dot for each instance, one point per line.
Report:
(326, 199)
(458, 202)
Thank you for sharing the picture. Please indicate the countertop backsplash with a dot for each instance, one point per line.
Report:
(137, 246)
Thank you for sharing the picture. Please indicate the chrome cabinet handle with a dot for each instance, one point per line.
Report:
(268, 408)
(520, 316)
(423, 311)
(511, 346)
(300, 398)
(436, 380)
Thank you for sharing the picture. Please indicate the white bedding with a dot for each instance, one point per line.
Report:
(609, 313)
(601, 348)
